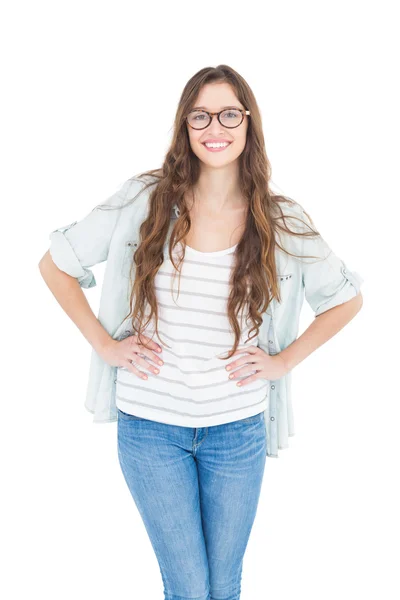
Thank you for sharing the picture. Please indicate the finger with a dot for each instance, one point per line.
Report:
(246, 370)
(156, 359)
(150, 342)
(248, 380)
(241, 361)
(249, 349)
(143, 362)
(132, 369)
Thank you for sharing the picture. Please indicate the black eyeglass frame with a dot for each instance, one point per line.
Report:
(212, 114)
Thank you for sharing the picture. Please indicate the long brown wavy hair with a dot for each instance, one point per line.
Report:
(253, 281)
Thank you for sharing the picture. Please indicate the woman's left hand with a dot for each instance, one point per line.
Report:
(267, 366)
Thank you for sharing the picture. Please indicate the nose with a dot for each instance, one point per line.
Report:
(214, 126)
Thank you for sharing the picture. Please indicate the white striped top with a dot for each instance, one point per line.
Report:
(192, 388)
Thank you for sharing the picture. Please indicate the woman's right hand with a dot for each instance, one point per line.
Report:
(120, 353)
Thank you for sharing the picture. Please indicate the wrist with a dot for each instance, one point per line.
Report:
(285, 362)
(104, 345)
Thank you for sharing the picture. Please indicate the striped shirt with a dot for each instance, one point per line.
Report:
(192, 388)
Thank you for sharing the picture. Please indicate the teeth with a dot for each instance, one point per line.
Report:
(216, 145)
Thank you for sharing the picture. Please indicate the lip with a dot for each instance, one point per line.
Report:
(216, 142)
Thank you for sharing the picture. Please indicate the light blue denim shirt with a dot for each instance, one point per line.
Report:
(113, 236)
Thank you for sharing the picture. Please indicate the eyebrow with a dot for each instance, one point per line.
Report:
(223, 108)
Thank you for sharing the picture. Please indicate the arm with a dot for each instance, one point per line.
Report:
(65, 267)
(331, 289)
(322, 329)
(78, 246)
(70, 296)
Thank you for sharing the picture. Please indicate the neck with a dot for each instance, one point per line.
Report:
(218, 190)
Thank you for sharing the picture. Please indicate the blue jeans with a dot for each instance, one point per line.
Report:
(197, 491)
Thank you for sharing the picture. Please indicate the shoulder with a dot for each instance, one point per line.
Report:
(136, 186)
(287, 209)
(291, 221)
(131, 194)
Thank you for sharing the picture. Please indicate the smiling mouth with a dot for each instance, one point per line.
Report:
(217, 148)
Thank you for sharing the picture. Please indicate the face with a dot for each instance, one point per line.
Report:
(213, 98)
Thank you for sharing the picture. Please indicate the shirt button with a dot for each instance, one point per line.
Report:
(272, 387)
(271, 341)
(115, 381)
(272, 418)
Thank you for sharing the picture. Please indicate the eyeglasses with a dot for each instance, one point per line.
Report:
(229, 117)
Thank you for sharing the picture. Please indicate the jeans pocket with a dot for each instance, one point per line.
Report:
(127, 417)
(254, 418)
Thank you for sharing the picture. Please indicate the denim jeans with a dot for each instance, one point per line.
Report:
(197, 491)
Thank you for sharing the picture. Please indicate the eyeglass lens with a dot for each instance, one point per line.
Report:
(229, 118)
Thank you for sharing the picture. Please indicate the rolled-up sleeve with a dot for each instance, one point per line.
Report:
(327, 280)
(78, 246)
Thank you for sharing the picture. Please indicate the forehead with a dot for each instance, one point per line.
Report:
(217, 96)
(216, 110)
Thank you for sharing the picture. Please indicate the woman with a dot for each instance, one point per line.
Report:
(197, 373)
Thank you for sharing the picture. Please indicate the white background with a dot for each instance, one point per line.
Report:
(90, 94)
